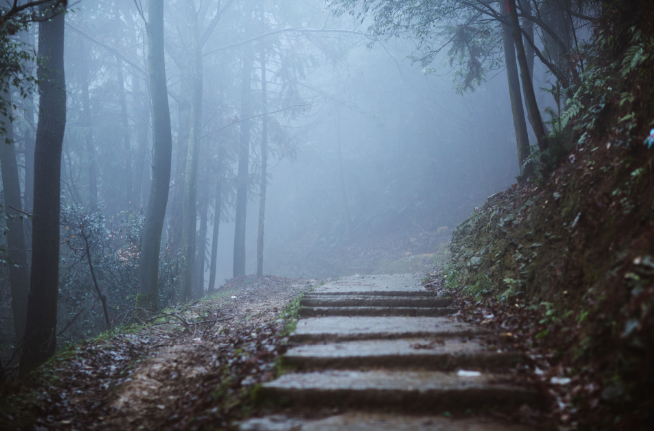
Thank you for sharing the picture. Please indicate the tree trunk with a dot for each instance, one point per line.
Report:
(28, 106)
(41, 323)
(126, 141)
(264, 165)
(554, 14)
(148, 292)
(140, 99)
(201, 243)
(519, 123)
(90, 146)
(341, 175)
(183, 114)
(18, 278)
(216, 225)
(527, 85)
(529, 29)
(189, 216)
(243, 159)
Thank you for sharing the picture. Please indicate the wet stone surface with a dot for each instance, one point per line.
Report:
(381, 372)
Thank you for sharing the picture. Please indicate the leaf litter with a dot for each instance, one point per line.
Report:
(195, 367)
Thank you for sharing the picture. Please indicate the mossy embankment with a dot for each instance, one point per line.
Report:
(576, 247)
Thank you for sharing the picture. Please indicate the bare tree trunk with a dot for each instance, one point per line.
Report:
(148, 292)
(28, 106)
(519, 123)
(126, 140)
(189, 216)
(183, 114)
(264, 165)
(341, 175)
(201, 243)
(527, 84)
(41, 323)
(143, 103)
(18, 278)
(529, 29)
(90, 145)
(243, 159)
(216, 225)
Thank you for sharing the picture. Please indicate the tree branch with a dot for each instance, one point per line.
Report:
(283, 30)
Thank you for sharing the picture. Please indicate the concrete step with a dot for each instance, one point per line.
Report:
(377, 422)
(375, 311)
(417, 354)
(405, 284)
(337, 328)
(397, 391)
(373, 301)
(403, 293)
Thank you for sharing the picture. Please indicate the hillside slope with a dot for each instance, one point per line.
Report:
(567, 262)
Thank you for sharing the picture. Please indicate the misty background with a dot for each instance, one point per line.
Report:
(372, 155)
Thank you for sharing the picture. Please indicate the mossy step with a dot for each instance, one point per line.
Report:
(419, 354)
(376, 311)
(373, 301)
(398, 391)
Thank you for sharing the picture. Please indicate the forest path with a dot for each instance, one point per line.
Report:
(383, 353)
(189, 368)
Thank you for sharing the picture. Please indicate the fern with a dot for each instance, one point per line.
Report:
(638, 53)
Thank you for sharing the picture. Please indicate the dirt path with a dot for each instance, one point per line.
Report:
(189, 370)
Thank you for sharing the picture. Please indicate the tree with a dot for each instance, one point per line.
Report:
(189, 216)
(243, 160)
(90, 145)
(40, 329)
(148, 292)
(469, 27)
(18, 268)
(527, 84)
(264, 165)
(519, 123)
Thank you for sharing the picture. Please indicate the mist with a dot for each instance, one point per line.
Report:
(299, 143)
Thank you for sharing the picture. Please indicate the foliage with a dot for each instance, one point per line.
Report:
(471, 41)
(15, 69)
(114, 250)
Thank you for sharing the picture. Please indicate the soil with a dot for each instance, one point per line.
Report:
(188, 368)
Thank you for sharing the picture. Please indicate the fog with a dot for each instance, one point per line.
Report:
(372, 155)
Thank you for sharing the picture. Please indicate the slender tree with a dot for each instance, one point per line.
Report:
(86, 107)
(148, 292)
(527, 84)
(18, 268)
(243, 159)
(189, 217)
(41, 323)
(125, 129)
(200, 257)
(143, 104)
(28, 108)
(528, 27)
(519, 123)
(264, 164)
(216, 223)
(341, 175)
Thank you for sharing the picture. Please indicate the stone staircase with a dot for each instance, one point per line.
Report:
(382, 353)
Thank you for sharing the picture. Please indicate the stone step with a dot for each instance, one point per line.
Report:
(338, 328)
(375, 284)
(361, 421)
(375, 311)
(373, 301)
(403, 293)
(397, 391)
(418, 354)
